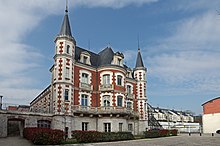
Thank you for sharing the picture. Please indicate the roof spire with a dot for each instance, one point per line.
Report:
(65, 28)
(66, 6)
(139, 61)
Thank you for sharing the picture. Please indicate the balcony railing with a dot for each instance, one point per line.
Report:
(86, 86)
(106, 87)
(104, 110)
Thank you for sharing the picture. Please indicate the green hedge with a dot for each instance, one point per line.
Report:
(160, 133)
(43, 136)
(95, 136)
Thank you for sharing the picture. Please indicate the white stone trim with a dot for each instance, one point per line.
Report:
(123, 99)
(89, 97)
(87, 72)
(132, 87)
(105, 73)
(123, 78)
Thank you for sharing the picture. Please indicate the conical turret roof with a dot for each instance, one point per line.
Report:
(65, 28)
(139, 61)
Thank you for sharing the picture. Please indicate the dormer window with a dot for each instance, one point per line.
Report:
(118, 59)
(85, 58)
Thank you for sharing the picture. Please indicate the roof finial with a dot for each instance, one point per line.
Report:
(138, 43)
(66, 6)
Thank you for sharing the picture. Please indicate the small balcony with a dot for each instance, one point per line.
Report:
(106, 87)
(129, 96)
(85, 86)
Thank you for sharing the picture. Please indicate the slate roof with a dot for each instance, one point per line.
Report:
(104, 57)
(65, 28)
(139, 61)
(93, 56)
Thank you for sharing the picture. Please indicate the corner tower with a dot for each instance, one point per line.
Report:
(140, 76)
(63, 69)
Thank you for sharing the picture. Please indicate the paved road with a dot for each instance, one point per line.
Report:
(182, 140)
(14, 141)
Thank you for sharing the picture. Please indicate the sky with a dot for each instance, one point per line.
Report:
(179, 42)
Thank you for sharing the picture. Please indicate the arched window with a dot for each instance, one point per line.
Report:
(119, 101)
(106, 79)
(68, 49)
(106, 100)
(119, 80)
(129, 89)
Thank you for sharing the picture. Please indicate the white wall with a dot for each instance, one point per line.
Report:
(211, 123)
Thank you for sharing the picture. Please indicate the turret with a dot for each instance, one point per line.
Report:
(62, 71)
(140, 76)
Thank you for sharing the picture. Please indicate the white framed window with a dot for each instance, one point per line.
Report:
(84, 100)
(85, 78)
(119, 101)
(120, 127)
(85, 126)
(130, 127)
(67, 72)
(129, 105)
(106, 79)
(66, 94)
(129, 89)
(119, 80)
(107, 127)
(106, 100)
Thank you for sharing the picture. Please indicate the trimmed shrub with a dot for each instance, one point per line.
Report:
(44, 136)
(152, 134)
(86, 136)
(164, 132)
(95, 136)
(173, 132)
(160, 133)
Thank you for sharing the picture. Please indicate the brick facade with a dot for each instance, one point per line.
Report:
(94, 88)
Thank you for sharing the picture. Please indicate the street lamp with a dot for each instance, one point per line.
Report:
(1, 102)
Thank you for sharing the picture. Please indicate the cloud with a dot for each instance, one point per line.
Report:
(189, 58)
(112, 3)
(18, 19)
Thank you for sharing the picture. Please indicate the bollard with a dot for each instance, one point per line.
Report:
(189, 134)
(200, 134)
(212, 134)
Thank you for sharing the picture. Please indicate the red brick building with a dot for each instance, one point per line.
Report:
(93, 91)
(211, 115)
